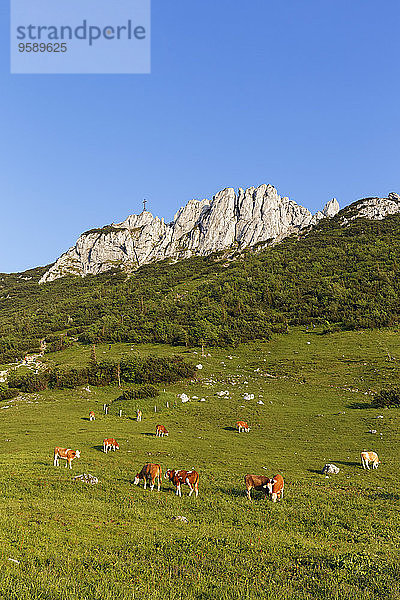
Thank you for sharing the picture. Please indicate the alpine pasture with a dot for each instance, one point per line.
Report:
(330, 537)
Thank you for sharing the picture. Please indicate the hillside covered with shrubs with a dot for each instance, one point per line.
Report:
(334, 276)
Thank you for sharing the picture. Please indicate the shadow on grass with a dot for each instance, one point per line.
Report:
(241, 493)
(233, 492)
(347, 463)
(149, 434)
(230, 429)
(85, 418)
(360, 405)
(315, 471)
(385, 496)
(98, 448)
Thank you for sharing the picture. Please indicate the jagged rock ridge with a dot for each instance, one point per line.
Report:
(250, 217)
(231, 220)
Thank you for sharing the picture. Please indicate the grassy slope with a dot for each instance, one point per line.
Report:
(329, 538)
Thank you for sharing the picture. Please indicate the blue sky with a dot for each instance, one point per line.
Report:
(300, 94)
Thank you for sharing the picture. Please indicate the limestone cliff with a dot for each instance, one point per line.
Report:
(251, 217)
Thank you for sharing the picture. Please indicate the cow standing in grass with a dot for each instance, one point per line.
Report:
(110, 444)
(91, 416)
(242, 426)
(149, 473)
(275, 488)
(369, 457)
(256, 482)
(138, 415)
(161, 431)
(66, 454)
(178, 478)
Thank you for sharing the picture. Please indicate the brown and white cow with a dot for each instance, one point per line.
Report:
(275, 488)
(369, 457)
(149, 473)
(161, 431)
(110, 444)
(91, 416)
(67, 454)
(242, 426)
(256, 482)
(178, 478)
(138, 415)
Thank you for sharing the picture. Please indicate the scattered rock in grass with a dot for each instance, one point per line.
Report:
(180, 518)
(199, 366)
(372, 431)
(14, 560)
(379, 417)
(86, 478)
(260, 402)
(330, 469)
(183, 397)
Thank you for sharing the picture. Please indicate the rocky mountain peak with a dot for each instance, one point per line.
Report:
(374, 208)
(331, 208)
(230, 221)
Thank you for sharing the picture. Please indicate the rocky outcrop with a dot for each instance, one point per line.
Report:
(375, 208)
(248, 218)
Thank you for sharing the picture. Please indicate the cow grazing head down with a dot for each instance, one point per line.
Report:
(275, 487)
(179, 478)
(77, 453)
(150, 473)
(161, 431)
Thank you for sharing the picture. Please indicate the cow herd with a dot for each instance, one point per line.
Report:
(152, 473)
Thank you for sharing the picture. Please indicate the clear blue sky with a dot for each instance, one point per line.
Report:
(300, 94)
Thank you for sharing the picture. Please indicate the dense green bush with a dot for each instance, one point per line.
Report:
(67, 378)
(103, 373)
(143, 391)
(7, 393)
(387, 398)
(154, 369)
(29, 382)
(57, 344)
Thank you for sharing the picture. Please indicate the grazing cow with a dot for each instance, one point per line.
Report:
(67, 454)
(91, 416)
(275, 487)
(110, 444)
(242, 426)
(367, 457)
(256, 482)
(191, 478)
(149, 473)
(138, 415)
(161, 431)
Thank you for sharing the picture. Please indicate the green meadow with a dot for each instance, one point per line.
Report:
(333, 537)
